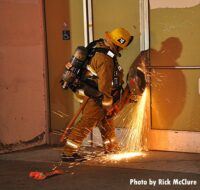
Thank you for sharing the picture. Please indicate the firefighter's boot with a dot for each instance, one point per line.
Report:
(110, 143)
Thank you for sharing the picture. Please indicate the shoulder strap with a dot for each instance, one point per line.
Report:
(105, 51)
(92, 44)
(92, 50)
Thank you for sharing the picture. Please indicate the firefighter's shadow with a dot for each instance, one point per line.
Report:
(168, 85)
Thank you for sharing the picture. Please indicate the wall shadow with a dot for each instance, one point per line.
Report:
(168, 85)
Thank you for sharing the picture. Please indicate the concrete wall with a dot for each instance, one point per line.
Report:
(23, 97)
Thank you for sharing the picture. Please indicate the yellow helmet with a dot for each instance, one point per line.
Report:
(120, 37)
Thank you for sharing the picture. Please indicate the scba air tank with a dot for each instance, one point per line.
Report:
(74, 67)
(79, 57)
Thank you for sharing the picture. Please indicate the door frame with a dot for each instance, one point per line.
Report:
(166, 140)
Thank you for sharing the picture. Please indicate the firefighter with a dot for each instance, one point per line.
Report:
(109, 82)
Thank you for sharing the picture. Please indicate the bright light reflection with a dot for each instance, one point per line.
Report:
(133, 122)
(124, 155)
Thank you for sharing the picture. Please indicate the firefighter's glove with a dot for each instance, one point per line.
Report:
(112, 111)
(132, 97)
(109, 112)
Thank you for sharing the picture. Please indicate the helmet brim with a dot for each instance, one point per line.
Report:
(131, 39)
(108, 36)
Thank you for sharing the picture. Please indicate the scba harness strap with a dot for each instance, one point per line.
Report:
(92, 49)
(74, 77)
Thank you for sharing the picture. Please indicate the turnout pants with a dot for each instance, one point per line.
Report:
(92, 116)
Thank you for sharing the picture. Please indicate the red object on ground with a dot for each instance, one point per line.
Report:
(43, 175)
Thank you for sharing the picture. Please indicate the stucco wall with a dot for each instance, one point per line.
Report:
(23, 111)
